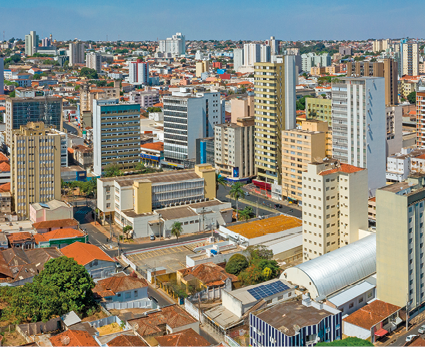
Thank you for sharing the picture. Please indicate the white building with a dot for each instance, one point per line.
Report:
(138, 72)
(252, 54)
(238, 55)
(76, 53)
(64, 147)
(31, 43)
(394, 129)
(199, 55)
(359, 126)
(94, 61)
(265, 54)
(274, 45)
(176, 45)
(146, 98)
(309, 60)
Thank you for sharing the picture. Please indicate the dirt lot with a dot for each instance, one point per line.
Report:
(13, 339)
(96, 316)
(109, 329)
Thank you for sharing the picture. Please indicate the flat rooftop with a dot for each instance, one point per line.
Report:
(177, 212)
(159, 177)
(262, 227)
(396, 187)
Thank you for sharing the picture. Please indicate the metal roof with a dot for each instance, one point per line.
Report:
(342, 267)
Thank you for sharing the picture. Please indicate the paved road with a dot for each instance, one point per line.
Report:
(69, 128)
(401, 340)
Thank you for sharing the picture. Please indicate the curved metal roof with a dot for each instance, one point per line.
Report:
(344, 266)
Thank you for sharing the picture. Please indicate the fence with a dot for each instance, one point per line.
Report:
(208, 294)
(192, 309)
(144, 303)
(123, 257)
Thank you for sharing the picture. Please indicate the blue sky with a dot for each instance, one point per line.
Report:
(219, 19)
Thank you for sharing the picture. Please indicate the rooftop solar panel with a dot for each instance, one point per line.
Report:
(266, 290)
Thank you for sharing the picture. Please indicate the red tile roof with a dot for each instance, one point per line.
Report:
(3, 158)
(5, 187)
(20, 237)
(188, 337)
(158, 146)
(73, 338)
(4, 167)
(84, 253)
(346, 168)
(126, 340)
(112, 285)
(209, 274)
(66, 233)
(57, 223)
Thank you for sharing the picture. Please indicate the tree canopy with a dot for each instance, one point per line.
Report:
(112, 170)
(412, 98)
(236, 264)
(89, 73)
(349, 341)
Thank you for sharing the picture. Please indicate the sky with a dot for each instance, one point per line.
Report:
(219, 19)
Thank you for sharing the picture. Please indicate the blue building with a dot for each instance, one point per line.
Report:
(294, 324)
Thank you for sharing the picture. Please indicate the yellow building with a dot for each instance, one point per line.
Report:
(317, 70)
(35, 167)
(318, 108)
(333, 69)
(317, 125)
(202, 66)
(88, 94)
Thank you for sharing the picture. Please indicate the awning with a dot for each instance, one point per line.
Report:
(381, 332)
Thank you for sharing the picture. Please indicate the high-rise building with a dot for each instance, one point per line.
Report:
(409, 59)
(359, 126)
(241, 106)
(265, 54)
(420, 119)
(252, 54)
(400, 209)
(176, 45)
(319, 109)
(35, 167)
(274, 45)
(138, 72)
(381, 45)
(87, 96)
(46, 42)
(234, 149)
(335, 202)
(1, 76)
(116, 135)
(31, 43)
(76, 53)
(201, 67)
(64, 146)
(387, 69)
(20, 111)
(94, 61)
(238, 55)
(274, 106)
(309, 60)
(188, 117)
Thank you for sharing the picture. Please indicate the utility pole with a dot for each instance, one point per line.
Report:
(110, 225)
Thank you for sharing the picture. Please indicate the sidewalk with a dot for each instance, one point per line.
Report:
(283, 202)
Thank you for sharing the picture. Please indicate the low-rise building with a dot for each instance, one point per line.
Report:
(60, 238)
(151, 154)
(50, 225)
(22, 240)
(50, 211)
(188, 337)
(83, 156)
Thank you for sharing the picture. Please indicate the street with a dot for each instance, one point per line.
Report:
(401, 340)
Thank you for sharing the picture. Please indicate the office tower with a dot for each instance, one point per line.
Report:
(234, 149)
(359, 126)
(31, 43)
(265, 56)
(274, 45)
(399, 243)
(188, 117)
(1, 76)
(20, 111)
(300, 147)
(335, 201)
(252, 54)
(201, 67)
(238, 55)
(94, 61)
(274, 112)
(116, 135)
(380, 45)
(420, 119)
(138, 72)
(35, 167)
(76, 53)
(175, 45)
(409, 58)
(387, 69)
(46, 42)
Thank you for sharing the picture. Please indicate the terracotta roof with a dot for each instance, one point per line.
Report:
(3, 158)
(73, 338)
(371, 314)
(66, 233)
(422, 156)
(346, 168)
(84, 253)
(112, 285)
(57, 223)
(20, 237)
(4, 167)
(209, 274)
(158, 146)
(5, 187)
(126, 340)
(188, 337)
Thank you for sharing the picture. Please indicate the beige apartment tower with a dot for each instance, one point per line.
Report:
(241, 107)
(335, 202)
(35, 167)
(202, 66)
(409, 59)
(380, 45)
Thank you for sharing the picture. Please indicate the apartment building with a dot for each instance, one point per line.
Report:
(408, 84)
(380, 45)
(88, 94)
(309, 60)
(409, 58)
(317, 125)
(64, 146)
(31, 43)
(420, 119)
(399, 243)
(201, 67)
(35, 167)
(335, 206)
(252, 54)
(274, 107)
(386, 68)
(394, 129)
(175, 45)
(359, 126)
(116, 134)
(234, 149)
(1, 76)
(319, 109)
(146, 98)
(238, 55)
(76, 53)
(242, 107)
(20, 111)
(138, 72)
(94, 61)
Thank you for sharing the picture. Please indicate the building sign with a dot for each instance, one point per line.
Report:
(236, 172)
(150, 157)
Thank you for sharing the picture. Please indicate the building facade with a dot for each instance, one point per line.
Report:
(94, 61)
(138, 72)
(319, 109)
(380, 45)
(146, 98)
(238, 55)
(76, 53)
(31, 43)
(252, 54)
(409, 59)
(176, 45)
(1, 76)
(420, 119)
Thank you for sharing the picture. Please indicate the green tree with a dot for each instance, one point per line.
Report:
(412, 98)
(246, 213)
(237, 192)
(112, 170)
(219, 181)
(349, 341)
(36, 76)
(89, 73)
(127, 229)
(236, 264)
(77, 88)
(176, 229)
(12, 94)
(259, 252)
(154, 109)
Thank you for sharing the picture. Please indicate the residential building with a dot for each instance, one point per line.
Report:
(87, 95)
(31, 43)
(188, 337)
(238, 55)
(409, 58)
(83, 156)
(274, 45)
(386, 68)
(146, 98)
(97, 263)
(317, 70)
(252, 54)
(296, 323)
(265, 54)
(176, 45)
(35, 163)
(205, 151)
(73, 338)
(64, 146)
(242, 106)
(399, 245)
(345, 50)
(60, 238)
(363, 126)
(420, 119)
(319, 108)
(20, 111)
(408, 84)
(394, 129)
(234, 149)
(138, 72)
(309, 60)
(380, 45)
(317, 125)
(151, 154)
(94, 61)
(334, 199)
(1, 76)
(300, 147)
(50, 225)
(50, 211)
(116, 134)
(371, 210)
(188, 117)
(274, 85)
(201, 67)
(22, 240)
(76, 53)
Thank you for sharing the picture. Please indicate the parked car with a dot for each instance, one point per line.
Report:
(421, 330)
(246, 194)
(411, 337)
(278, 205)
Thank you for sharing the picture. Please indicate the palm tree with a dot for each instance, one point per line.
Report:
(219, 180)
(246, 213)
(176, 229)
(236, 192)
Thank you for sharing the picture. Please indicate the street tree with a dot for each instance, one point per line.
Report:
(176, 229)
(237, 192)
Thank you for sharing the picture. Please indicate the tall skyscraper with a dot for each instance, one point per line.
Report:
(116, 134)
(175, 45)
(274, 104)
(138, 72)
(31, 43)
(1, 76)
(238, 55)
(274, 45)
(359, 126)
(20, 111)
(76, 53)
(35, 167)
(265, 56)
(46, 42)
(252, 54)
(94, 61)
(409, 58)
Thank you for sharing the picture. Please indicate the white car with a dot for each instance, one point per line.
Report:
(421, 330)
(410, 338)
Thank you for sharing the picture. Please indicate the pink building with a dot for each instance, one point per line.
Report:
(146, 98)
